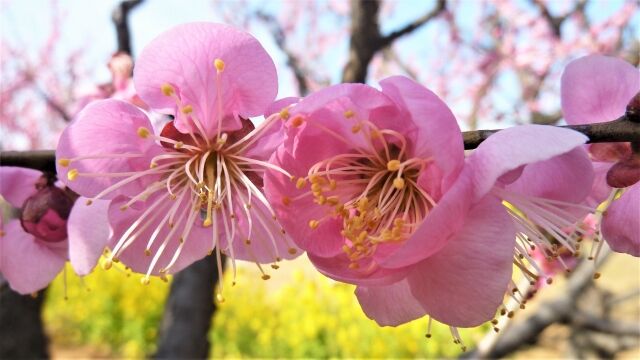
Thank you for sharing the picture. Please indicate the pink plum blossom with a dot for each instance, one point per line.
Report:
(194, 186)
(596, 89)
(34, 247)
(383, 198)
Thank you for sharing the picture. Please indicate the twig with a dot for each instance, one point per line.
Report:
(120, 18)
(620, 130)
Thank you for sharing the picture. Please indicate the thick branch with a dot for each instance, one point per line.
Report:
(440, 6)
(620, 130)
(120, 18)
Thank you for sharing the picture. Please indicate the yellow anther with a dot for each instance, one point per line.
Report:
(107, 264)
(163, 277)
(398, 183)
(167, 89)
(362, 204)
(219, 64)
(355, 128)
(275, 266)
(64, 162)
(147, 252)
(144, 280)
(333, 184)
(297, 121)
(72, 174)
(178, 145)
(362, 236)
(292, 251)
(316, 187)
(153, 165)
(123, 207)
(353, 265)
(143, 132)
(320, 199)
(188, 109)
(89, 202)
(286, 200)
(333, 200)
(207, 222)
(393, 165)
(300, 183)
(374, 134)
(349, 114)
(220, 298)
(314, 224)
(247, 241)
(266, 277)
(284, 114)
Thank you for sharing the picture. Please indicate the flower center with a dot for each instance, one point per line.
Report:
(374, 191)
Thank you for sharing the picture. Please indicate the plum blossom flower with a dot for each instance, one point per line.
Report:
(195, 186)
(595, 89)
(382, 198)
(34, 247)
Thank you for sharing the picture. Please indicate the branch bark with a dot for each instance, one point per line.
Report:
(21, 325)
(188, 312)
(622, 129)
(366, 39)
(120, 18)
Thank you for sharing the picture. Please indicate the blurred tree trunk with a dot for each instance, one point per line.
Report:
(188, 312)
(21, 331)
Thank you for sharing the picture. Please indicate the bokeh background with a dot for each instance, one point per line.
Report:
(496, 63)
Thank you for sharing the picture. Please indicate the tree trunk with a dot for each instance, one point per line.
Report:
(188, 312)
(21, 329)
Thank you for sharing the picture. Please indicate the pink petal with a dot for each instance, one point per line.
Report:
(464, 283)
(621, 223)
(17, 184)
(280, 104)
(267, 243)
(599, 190)
(196, 245)
(444, 220)
(438, 134)
(106, 127)
(89, 232)
(511, 148)
(184, 57)
(389, 305)
(337, 268)
(294, 217)
(597, 88)
(27, 264)
(568, 177)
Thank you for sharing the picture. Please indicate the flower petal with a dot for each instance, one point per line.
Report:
(337, 268)
(294, 211)
(438, 134)
(17, 184)
(511, 148)
(597, 88)
(464, 283)
(27, 264)
(621, 223)
(567, 177)
(184, 57)
(88, 231)
(389, 305)
(106, 127)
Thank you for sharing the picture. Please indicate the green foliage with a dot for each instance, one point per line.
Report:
(305, 315)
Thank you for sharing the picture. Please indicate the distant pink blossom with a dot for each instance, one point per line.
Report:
(382, 198)
(596, 89)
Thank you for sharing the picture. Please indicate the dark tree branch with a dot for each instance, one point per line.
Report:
(292, 59)
(120, 18)
(555, 22)
(619, 130)
(188, 312)
(21, 332)
(366, 39)
(391, 37)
